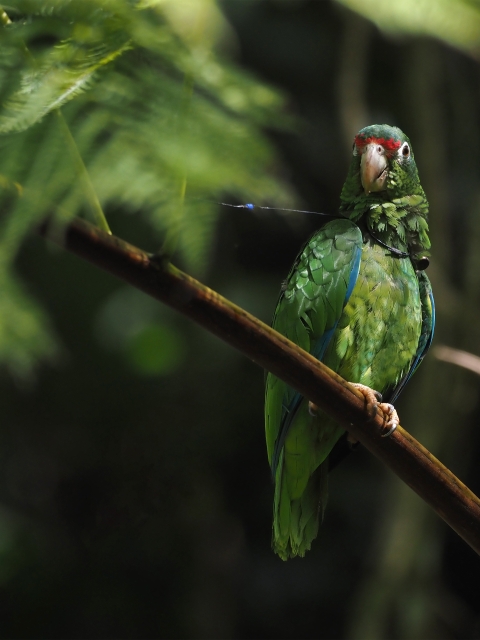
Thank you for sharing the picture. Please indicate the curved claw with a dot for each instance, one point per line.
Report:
(393, 420)
(390, 431)
(312, 409)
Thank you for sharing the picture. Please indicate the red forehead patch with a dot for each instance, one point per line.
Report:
(388, 144)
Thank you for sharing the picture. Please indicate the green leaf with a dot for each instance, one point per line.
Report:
(456, 22)
(150, 106)
(63, 75)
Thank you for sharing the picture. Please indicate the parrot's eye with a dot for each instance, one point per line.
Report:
(405, 150)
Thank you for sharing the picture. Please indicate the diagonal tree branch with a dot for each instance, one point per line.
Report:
(154, 275)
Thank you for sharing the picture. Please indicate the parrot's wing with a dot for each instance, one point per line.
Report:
(309, 308)
(426, 335)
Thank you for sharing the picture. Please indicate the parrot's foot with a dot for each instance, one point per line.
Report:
(374, 400)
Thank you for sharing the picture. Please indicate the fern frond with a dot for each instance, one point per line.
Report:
(135, 140)
(66, 72)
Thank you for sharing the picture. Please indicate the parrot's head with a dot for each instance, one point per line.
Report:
(383, 160)
(383, 187)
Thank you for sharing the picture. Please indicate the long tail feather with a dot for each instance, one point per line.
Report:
(296, 522)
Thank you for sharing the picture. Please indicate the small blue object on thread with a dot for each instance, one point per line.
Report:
(251, 207)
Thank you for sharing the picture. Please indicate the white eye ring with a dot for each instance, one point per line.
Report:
(404, 151)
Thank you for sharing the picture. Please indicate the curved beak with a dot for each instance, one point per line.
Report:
(373, 168)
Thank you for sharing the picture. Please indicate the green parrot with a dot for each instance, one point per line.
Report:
(357, 298)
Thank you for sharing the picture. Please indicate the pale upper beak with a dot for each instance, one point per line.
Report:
(373, 168)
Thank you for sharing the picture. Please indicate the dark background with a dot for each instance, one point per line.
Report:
(138, 505)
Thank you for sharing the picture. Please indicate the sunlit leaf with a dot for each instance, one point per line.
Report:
(456, 22)
(59, 78)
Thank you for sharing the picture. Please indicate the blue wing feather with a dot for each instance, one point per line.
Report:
(318, 351)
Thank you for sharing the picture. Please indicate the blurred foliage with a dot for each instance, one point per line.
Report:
(156, 349)
(136, 496)
(130, 323)
(151, 107)
(25, 332)
(456, 22)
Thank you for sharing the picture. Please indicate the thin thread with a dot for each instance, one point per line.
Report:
(251, 207)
